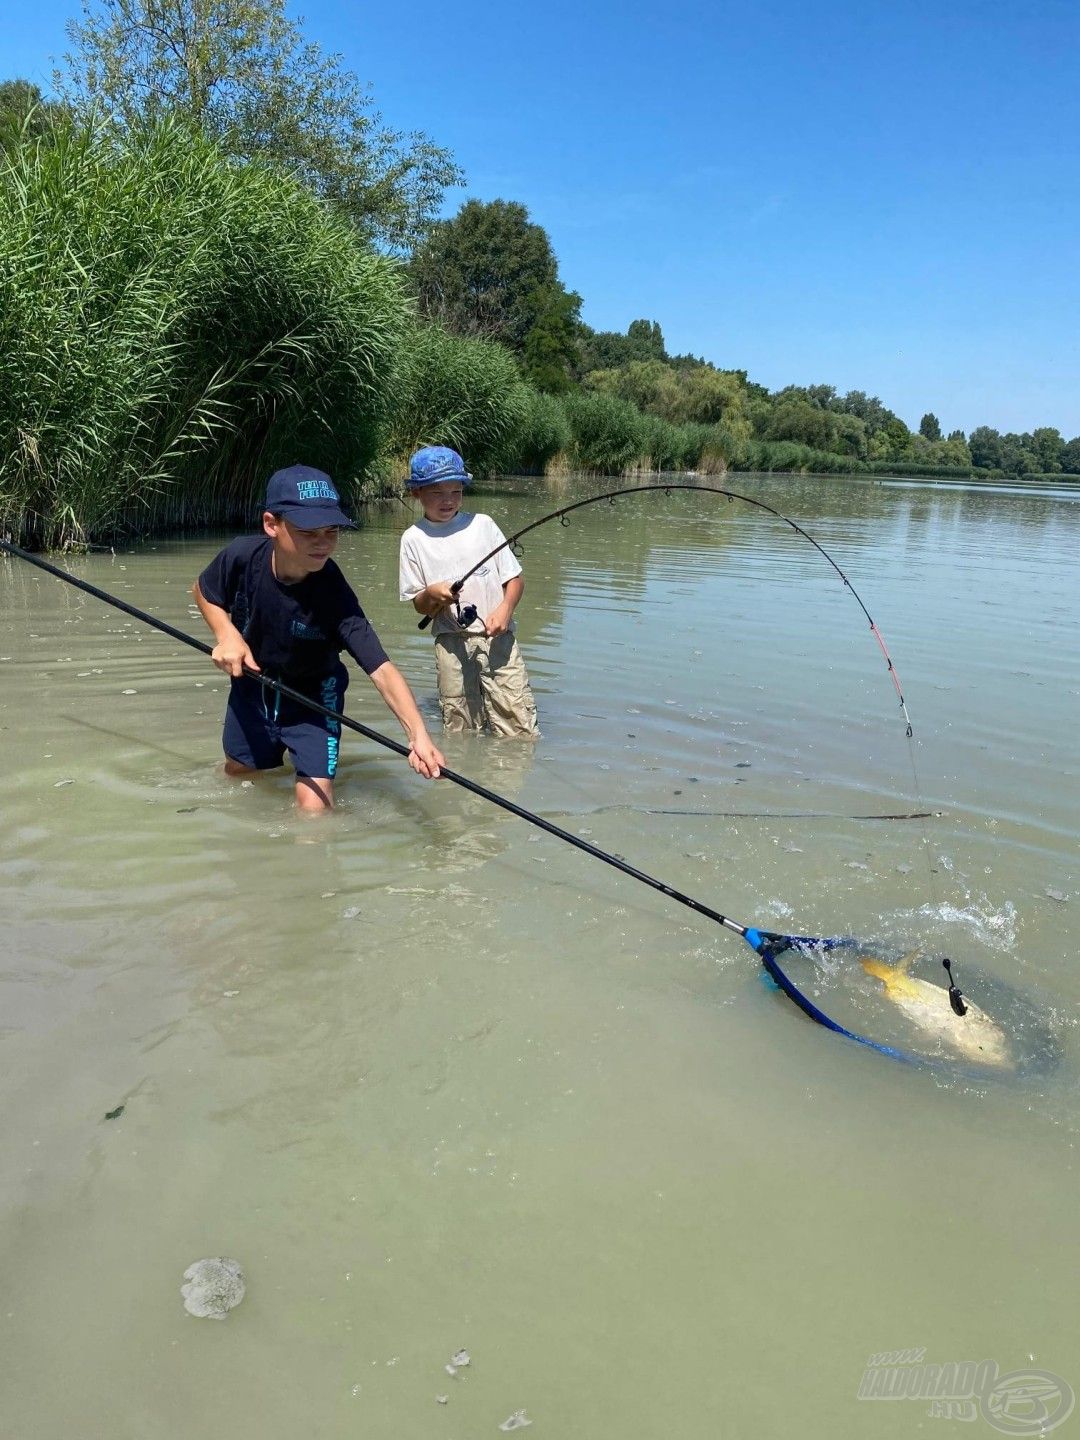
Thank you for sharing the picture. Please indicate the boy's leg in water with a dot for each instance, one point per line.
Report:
(313, 741)
(235, 770)
(314, 794)
(511, 709)
(250, 738)
(460, 695)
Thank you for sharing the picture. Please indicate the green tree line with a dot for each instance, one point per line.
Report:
(215, 257)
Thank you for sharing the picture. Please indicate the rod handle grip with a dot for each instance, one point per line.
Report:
(455, 590)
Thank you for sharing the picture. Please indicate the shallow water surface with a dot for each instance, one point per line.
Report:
(438, 1080)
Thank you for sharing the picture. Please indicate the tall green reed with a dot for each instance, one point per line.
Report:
(460, 392)
(173, 327)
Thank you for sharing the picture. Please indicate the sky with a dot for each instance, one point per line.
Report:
(877, 196)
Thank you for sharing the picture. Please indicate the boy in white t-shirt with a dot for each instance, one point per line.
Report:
(482, 677)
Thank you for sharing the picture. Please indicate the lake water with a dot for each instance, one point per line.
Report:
(438, 1080)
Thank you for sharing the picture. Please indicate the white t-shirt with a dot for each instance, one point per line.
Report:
(432, 552)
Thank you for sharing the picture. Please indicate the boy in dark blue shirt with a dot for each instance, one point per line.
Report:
(278, 604)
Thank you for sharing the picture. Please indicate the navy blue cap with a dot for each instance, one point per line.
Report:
(436, 464)
(307, 498)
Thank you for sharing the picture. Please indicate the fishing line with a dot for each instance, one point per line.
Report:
(763, 814)
(513, 542)
(768, 945)
(800, 814)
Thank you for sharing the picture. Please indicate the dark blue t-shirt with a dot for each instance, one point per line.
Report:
(295, 632)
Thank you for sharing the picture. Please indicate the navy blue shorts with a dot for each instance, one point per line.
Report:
(262, 724)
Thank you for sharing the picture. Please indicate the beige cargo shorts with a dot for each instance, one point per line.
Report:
(483, 682)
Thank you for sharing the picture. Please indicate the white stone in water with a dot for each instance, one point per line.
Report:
(1058, 895)
(461, 1359)
(517, 1421)
(214, 1287)
(129, 692)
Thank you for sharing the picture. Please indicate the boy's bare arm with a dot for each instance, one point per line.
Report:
(231, 652)
(424, 758)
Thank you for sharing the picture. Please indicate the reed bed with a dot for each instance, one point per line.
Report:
(465, 393)
(173, 328)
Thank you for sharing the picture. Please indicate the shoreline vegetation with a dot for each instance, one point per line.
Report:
(183, 310)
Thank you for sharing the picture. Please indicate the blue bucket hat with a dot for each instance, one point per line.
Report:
(435, 464)
(307, 498)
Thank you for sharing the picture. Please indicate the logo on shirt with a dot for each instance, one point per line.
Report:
(305, 632)
(315, 490)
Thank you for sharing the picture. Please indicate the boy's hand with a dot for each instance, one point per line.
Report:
(441, 594)
(232, 654)
(424, 758)
(498, 622)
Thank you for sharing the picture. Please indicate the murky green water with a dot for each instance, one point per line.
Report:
(438, 1080)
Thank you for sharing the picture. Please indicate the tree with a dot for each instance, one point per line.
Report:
(899, 438)
(710, 397)
(1070, 456)
(853, 438)
(954, 450)
(985, 445)
(797, 419)
(824, 396)
(241, 71)
(646, 340)
(1048, 445)
(602, 349)
(867, 408)
(551, 346)
(930, 427)
(491, 272)
(650, 385)
(1017, 455)
(24, 112)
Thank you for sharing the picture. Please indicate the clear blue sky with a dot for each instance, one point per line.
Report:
(879, 196)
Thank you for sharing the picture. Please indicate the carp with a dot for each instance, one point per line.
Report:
(974, 1036)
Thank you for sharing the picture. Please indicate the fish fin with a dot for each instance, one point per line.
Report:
(897, 983)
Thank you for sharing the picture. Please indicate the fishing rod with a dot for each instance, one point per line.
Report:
(766, 944)
(612, 495)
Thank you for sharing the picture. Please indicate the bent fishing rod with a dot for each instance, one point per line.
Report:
(766, 944)
(612, 495)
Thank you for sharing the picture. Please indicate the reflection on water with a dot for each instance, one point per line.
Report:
(437, 1079)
